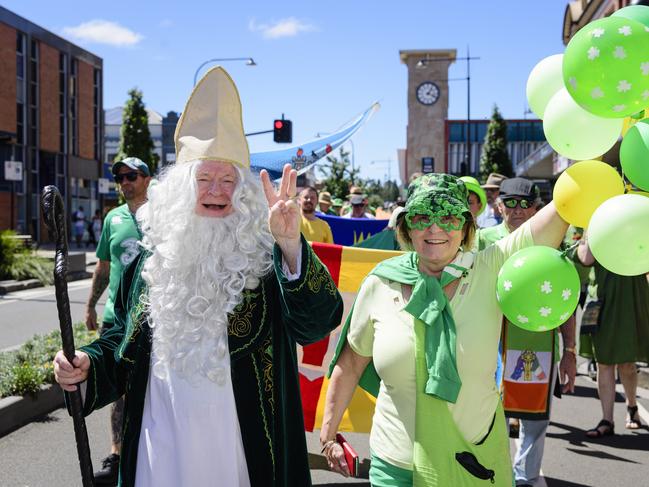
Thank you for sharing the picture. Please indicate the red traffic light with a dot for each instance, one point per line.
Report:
(282, 131)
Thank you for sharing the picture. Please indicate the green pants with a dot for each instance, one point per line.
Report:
(384, 474)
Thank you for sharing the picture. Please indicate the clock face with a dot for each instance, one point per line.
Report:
(427, 93)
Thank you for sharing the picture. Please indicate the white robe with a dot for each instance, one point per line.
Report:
(190, 434)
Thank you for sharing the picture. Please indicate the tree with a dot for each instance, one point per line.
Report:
(135, 138)
(340, 176)
(494, 157)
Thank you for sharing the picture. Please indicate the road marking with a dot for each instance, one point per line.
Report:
(37, 293)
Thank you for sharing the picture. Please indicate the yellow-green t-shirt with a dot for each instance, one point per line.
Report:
(381, 329)
(316, 230)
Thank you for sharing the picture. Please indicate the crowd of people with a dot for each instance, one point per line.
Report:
(212, 283)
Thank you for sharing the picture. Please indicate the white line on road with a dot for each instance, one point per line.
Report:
(37, 293)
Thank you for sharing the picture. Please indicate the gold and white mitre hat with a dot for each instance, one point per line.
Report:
(211, 125)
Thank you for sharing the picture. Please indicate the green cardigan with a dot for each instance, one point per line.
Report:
(262, 333)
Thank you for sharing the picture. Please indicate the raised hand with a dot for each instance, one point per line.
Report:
(284, 213)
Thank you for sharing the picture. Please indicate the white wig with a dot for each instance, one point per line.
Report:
(198, 269)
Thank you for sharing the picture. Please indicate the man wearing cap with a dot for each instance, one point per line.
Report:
(117, 248)
(491, 216)
(208, 316)
(313, 228)
(324, 204)
(527, 396)
(358, 202)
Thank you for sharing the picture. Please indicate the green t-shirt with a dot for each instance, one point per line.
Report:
(489, 235)
(119, 245)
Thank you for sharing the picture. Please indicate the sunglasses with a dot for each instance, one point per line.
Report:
(513, 203)
(130, 176)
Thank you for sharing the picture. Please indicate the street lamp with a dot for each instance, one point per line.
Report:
(423, 62)
(388, 162)
(249, 62)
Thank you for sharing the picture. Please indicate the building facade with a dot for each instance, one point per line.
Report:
(51, 129)
(523, 138)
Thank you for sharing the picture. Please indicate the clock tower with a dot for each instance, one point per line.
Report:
(427, 109)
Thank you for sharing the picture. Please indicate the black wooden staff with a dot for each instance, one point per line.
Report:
(54, 215)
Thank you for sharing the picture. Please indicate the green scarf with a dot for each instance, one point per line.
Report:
(429, 304)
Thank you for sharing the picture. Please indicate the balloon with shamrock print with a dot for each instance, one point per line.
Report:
(538, 288)
(606, 67)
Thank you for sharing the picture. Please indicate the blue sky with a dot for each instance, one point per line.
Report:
(319, 63)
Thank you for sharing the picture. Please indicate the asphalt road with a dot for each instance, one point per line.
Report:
(25, 313)
(42, 454)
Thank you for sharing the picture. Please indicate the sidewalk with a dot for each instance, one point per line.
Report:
(78, 262)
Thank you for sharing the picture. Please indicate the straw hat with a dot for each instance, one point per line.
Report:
(493, 181)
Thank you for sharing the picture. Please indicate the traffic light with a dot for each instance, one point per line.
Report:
(283, 131)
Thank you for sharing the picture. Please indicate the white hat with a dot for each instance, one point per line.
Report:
(211, 125)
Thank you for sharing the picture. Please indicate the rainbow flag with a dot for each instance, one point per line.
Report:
(348, 267)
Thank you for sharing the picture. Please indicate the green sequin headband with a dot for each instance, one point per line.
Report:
(439, 199)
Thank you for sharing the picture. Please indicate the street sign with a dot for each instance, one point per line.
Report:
(103, 185)
(427, 165)
(13, 170)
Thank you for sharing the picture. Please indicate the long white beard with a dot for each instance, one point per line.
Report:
(195, 279)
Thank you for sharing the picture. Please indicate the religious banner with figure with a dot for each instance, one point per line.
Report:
(348, 267)
(529, 368)
(351, 231)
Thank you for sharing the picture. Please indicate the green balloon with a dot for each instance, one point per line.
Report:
(639, 13)
(575, 133)
(538, 288)
(618, 236)
(606, 67)
(634, 154)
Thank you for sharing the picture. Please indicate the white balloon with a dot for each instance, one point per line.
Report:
(618, 234)
(546, 78)
(575, 133)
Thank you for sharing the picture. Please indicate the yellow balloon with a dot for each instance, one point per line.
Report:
(582, 188)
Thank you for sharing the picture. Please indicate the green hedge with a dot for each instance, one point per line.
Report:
(23, 371)
(20, 263)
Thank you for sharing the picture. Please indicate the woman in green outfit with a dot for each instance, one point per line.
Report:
(621, 339)
(421, 337)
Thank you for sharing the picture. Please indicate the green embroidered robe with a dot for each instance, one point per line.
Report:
(262, 333)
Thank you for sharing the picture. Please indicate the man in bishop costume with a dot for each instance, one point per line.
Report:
(208, 316)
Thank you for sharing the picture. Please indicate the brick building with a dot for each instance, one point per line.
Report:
(50, 121)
